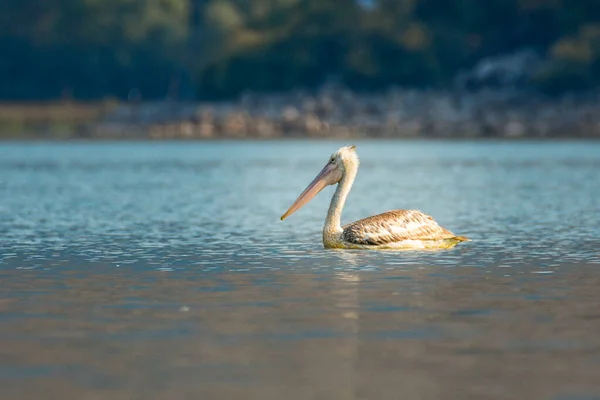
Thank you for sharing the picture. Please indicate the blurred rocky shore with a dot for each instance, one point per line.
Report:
(340, 113)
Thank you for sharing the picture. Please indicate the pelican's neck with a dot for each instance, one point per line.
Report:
(333, 222)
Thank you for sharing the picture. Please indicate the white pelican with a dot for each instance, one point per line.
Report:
(398, 229)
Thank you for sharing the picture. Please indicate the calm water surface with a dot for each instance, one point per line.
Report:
(162, 271)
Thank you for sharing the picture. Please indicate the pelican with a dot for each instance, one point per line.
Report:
(397, 229)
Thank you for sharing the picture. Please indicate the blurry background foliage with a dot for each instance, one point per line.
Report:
(190, 49)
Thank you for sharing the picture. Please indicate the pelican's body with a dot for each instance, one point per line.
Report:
(398, 229)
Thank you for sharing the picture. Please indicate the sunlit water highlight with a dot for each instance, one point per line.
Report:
(161, 270)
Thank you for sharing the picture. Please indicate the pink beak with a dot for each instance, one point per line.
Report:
(328, 176)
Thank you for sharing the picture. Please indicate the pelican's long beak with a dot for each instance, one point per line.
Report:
(328, 176)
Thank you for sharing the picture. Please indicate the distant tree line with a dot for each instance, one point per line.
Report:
(92, 49)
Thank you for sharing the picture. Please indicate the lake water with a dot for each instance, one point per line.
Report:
(162, 271)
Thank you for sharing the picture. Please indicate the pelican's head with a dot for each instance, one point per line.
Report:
(339, 162)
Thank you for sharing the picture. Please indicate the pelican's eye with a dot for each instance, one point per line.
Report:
(332, 160)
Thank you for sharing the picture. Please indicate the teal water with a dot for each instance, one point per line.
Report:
(162, 270)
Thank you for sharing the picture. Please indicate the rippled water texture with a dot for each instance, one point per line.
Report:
(161, 270)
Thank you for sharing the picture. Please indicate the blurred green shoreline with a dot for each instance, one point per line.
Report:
(338, 114)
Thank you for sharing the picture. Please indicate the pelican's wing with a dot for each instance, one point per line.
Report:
(395, 226)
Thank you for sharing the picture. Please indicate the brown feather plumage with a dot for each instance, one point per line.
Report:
(395, 226)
